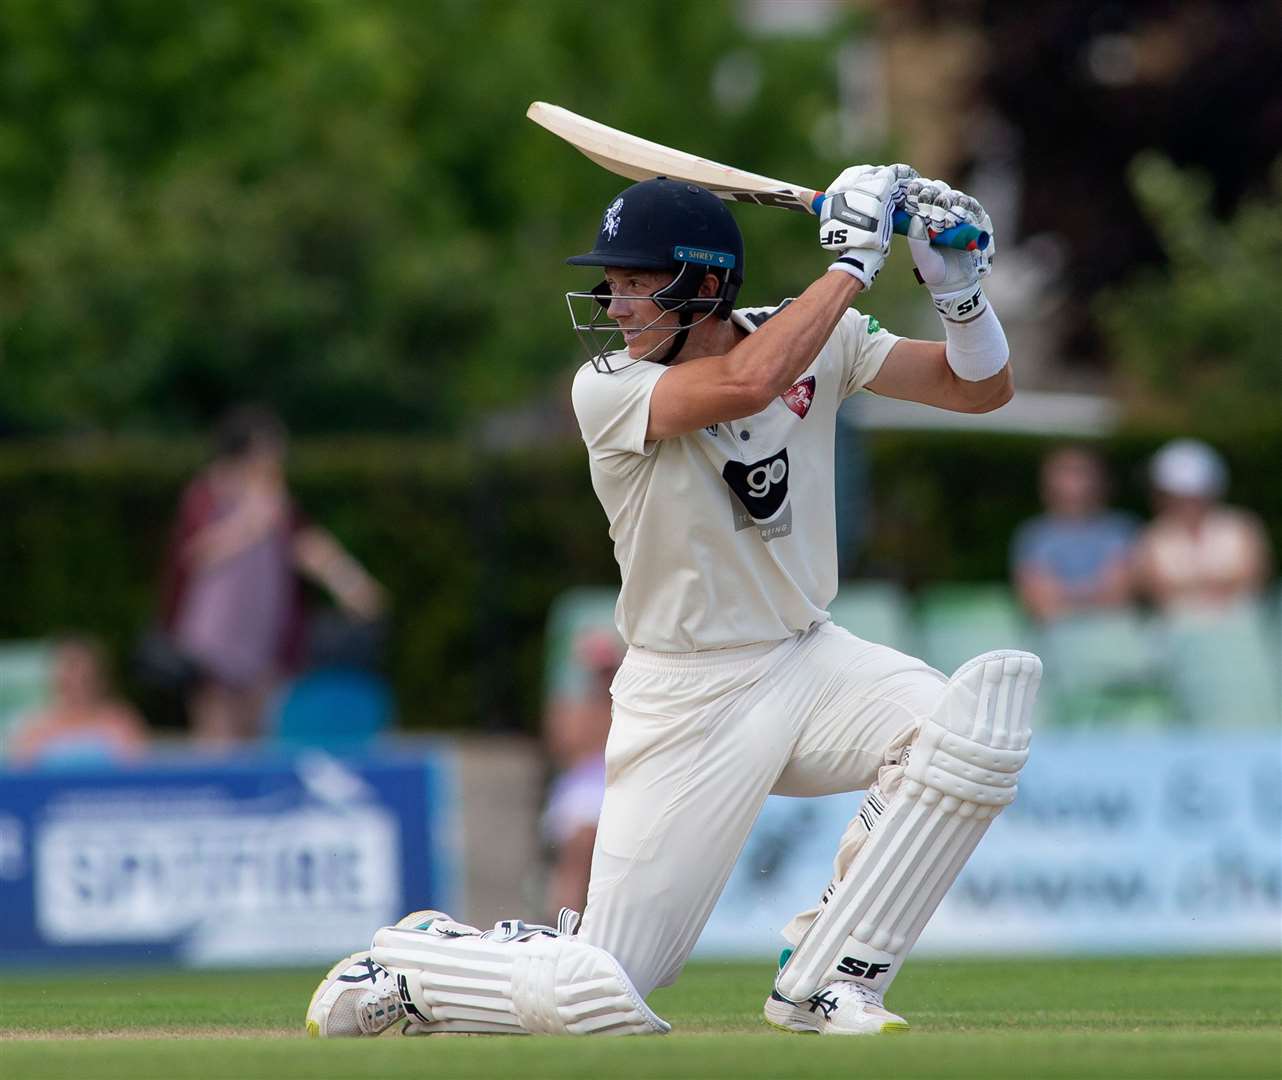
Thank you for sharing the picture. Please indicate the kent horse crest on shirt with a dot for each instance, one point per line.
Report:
(800, 396)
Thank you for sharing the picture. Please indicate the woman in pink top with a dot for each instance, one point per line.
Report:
(233, 580)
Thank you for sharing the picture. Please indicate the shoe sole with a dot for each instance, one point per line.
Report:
(790, 1030)
(800, 1028)
(890, 1027)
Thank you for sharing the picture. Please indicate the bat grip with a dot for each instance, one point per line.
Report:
(961, 237)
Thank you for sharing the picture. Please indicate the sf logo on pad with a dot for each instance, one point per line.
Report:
(861, 969)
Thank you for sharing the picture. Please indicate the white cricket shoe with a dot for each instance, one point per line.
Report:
(359, 997)
(840, 1008)
(356, 997)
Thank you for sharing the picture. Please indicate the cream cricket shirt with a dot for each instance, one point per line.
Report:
(727, 535)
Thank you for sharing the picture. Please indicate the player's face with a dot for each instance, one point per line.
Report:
(645, 325)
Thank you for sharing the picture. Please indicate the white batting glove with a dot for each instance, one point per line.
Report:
(951, 276)
(857, 217)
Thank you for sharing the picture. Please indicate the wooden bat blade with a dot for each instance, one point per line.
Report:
(635, 158)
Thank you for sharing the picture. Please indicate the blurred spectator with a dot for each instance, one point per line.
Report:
(1076, 556)
(574, 733)
(1203, 564)
(1198, 554)
(233, 603)
(84, 721)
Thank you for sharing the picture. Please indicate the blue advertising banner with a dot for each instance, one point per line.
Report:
(1154, 842)
(270, 861)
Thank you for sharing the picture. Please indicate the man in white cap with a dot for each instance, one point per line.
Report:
(1198, 553)
(1204, 564)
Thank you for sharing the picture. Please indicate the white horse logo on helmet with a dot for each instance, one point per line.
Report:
(610, 225)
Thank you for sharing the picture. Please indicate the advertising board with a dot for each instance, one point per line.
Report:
(1156, 842)
(258, 862)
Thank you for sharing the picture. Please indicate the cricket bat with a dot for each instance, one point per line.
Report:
(640, 159)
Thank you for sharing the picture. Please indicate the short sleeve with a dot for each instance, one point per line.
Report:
(613, 409)
(864, 348)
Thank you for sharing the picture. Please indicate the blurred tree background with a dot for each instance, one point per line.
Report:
(340, 207)
(1193, 338)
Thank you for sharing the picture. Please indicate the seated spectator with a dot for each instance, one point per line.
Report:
(575, 734)
(1076, 556)
(84, 721)
(1203, 565)
(1198, 554)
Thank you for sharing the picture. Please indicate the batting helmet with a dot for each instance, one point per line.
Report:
(664, 224)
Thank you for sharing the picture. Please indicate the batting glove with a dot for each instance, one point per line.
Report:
(857, 217)
(951, 276)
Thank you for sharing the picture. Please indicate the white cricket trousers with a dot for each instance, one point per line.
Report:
(698, 741)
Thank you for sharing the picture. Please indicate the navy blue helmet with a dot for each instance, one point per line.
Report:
(664, 224)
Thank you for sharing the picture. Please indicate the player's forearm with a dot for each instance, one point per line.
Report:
(770, 360)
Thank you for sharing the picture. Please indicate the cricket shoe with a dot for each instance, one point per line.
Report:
(840, 1008)
(357, 997)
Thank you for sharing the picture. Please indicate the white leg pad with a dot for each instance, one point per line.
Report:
(961, 772)
(543, 985)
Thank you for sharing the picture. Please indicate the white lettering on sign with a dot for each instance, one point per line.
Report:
(139, 877)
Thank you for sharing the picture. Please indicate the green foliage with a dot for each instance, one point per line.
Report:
(474, 548)
(1200, 336)
(341, 208)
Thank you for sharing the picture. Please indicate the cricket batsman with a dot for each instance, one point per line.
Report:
(710, 436)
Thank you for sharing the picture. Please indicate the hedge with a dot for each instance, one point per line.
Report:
(474, 546)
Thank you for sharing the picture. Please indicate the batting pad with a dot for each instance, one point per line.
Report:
(543, 985)
(961, 772)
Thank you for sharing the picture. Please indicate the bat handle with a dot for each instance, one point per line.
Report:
(961, 237)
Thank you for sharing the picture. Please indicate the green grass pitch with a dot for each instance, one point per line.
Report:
(1116, 1017)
